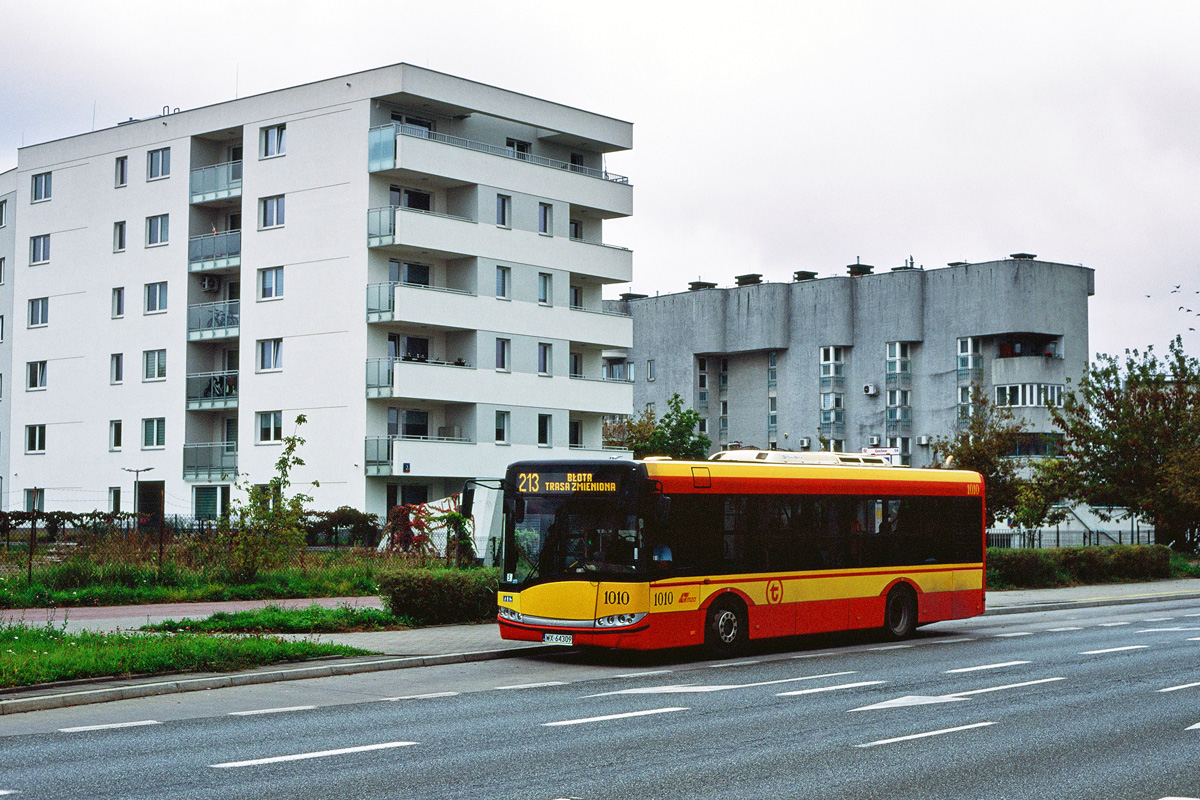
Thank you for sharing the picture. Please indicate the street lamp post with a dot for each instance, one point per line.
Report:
(137, 475)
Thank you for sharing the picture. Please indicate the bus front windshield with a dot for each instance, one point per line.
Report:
(571, 537)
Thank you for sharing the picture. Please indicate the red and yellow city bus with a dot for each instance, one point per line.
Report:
(748, 545)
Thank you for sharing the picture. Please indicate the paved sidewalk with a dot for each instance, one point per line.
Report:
(422, 647)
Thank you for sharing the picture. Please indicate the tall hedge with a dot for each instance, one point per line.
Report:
(1035, 569)
(441, 596)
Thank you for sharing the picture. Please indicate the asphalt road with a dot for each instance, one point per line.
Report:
(1098, 703)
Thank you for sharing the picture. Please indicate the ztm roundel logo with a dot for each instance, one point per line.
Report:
(775, 592)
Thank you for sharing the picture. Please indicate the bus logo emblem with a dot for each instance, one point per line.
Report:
(774, 592)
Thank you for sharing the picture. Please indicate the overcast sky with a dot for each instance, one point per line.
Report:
(768, 137)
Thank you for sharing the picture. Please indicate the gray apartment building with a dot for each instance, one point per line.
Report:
(865, 359)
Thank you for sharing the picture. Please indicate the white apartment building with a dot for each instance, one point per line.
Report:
(411, 260)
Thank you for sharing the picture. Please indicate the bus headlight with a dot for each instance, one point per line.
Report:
(508, 613)
(619, 620)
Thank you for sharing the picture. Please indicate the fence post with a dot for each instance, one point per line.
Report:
(32, 539)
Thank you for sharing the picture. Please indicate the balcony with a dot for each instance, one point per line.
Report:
(207, 390)
(382, 151)
(210, 461)
(381, 373)
(218, 182)
(435, 455)
(617, 373)
(215, 251)
(208, 321)
(381, 299)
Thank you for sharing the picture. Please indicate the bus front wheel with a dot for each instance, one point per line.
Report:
(727, 628)
(900, 613)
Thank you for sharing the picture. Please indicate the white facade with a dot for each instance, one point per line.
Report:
(331, 250)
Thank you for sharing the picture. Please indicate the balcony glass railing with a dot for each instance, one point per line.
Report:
(381, 297)
(213, 317)
(381, 222)
(381, 148)
(621, 373)
(224, 248)
(210, 461)
(217, 182)
(217, 388)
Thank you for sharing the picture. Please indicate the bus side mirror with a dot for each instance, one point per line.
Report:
(515, 508)
(468, 501)
(662, 508)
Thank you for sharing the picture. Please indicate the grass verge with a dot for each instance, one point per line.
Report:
(273, 619)
(31, 655)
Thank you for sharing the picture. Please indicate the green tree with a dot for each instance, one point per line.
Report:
(1131, 440)
(266, 530)
(984, 442)
(674, 435)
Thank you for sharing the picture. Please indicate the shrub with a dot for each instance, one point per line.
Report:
(1028, 569)
(1035, 569)
(440, 596)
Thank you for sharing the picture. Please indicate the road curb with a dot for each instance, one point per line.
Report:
(107, 694)
(1029, 608)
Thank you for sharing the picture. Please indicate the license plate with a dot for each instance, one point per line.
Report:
(558, 638)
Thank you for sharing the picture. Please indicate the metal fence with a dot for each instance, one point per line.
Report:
(1055, 537)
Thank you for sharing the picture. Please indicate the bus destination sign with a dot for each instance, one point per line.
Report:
(566, 482)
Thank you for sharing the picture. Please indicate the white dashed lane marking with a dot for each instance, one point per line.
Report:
(318, 754)
(1060, 630)
(830, 688)
(1115, 649)
(927, 734)
(1111, 624)
(429, 696)
(1177, 688)
(110, 726)
(608, 717)
(986, 666)
(270, 711)
(1013, 635)
(532, 685)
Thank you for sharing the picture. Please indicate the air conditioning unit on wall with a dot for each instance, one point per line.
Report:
(923, 441)
(805, 443)
(210, 284)
(873, 441)
(870, 389)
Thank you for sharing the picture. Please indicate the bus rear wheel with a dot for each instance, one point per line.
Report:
(727, 628)
(900, 613)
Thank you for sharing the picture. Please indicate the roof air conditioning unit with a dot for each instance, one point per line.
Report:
(210, 283)
(870, 389)
(873, 441)
(805, 443)
(923, 441)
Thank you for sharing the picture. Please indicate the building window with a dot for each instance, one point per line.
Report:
(575, 369)
(114, 434)
(520, 149)
(274, 141)
(899, 397)
(114, 499)
(35, 499)
(650, 369)
(970, 353)
(39, 249)
(545, 218)
(39, 312)
(577, 297)
(35, 438)
(270, 212)
(966, 408)
(772, 416)
(158, 164)
(1029, 395)
(155, 365)
(1, 327)
(545, 288)
(832, 408)
(270, 283)
(116, 368)
(3, 213)
(897, 359)
(904, 445)
(270, 426)
(772, 369)
(703, 425)
(158, 230)
(118, 302)
(36, 375)
(504, 211)
(154, 433)
(833, 363)
(576, 229)
(503, 282)
(412, 199)
(119, 237)
(544, 359)
(121, 177)
(502, 420)
(502, 353)
(270, 355)
(544, 430)
(156, 298)
(40, 187)
(3, 271)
